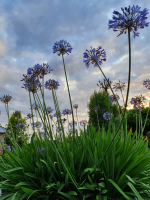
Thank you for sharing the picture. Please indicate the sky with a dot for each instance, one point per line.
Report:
(28, 31)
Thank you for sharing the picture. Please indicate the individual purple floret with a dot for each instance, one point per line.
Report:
(5, 99)
(138, 102)
(83, 122)
(147, 83)
(94, 56)
(119, 86)
(96, 108)
(37, 124)
(62, 47)
(131, 17)
(107, 115)
(66, 112)
(7, 147)
(20, 126)
(51, 84)
(112, 98)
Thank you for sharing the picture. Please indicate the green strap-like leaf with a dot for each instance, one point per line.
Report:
(118, 188)
(135, 191)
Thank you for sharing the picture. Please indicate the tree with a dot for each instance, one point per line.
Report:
(18, 126)
(101, 99)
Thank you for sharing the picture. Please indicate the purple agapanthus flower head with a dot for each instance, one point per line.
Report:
(35, 106)
(119, 86)
(94, 56)
(41, 70)
(96, 108)
(75, 106)
(112, 98)
(71, 124)
(66, 112)
(104, 85)
(5, 99)
(31, 83)
(48, 110)
(57, 114)
(147, 83)
(130, 17)
(29, 116)
(17, 112)
(83, 122)
(51, 84)
(107, 115)
(62, 47)
(138, 102)
(37, 124)
(20, 126)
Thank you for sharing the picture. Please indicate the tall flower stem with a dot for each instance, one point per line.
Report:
(129, 43)
(71, 110)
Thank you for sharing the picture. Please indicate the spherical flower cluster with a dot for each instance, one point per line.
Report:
(31, 84)
(37, 124)
(51, 84)
(104, 85)
(49, 110)
(107, 115)
(119, 86)
(71, 123)
(131, 17)
(29, 116)
(112, 98)
(96, 108)
(5, 99)
(20, 126)
(35, 106)
(66, 112)
(83, 122)
(147, 83)
(62, 47)
(39, 71)
(57, 114)
(138, 102)
(94, 56)
(75, 106)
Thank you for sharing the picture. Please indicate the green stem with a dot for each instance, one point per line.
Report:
(71, 110)
(129, 43)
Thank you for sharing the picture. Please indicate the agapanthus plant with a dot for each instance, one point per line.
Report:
(131, 18)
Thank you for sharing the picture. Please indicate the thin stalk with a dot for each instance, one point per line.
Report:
(31, 112)
(71, 110)
(97, 119)
(145, 120)
(129, 43)
(136, 124)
